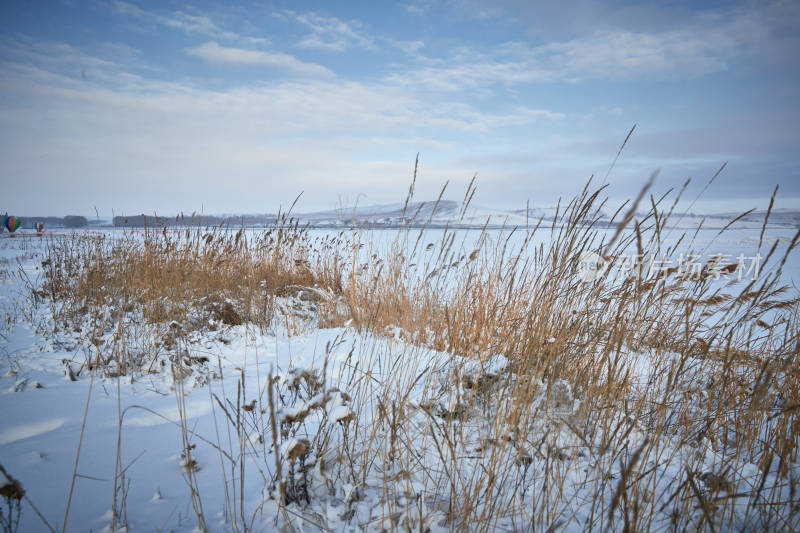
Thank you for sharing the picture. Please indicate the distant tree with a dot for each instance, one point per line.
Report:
(75, 221)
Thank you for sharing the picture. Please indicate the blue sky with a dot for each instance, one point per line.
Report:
(135, 106)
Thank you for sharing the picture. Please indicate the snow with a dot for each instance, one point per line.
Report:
(32, 429)
(40, 429)
(329, 378)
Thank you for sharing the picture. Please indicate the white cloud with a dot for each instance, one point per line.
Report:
(477, 10)
(132, 142)
(126, 8)
(106, 128)
(463, 9)
(331, 33)
(214, 53)
(409, 47)
(710, 44)
(417, 8)
(55, 62)
(183, 21)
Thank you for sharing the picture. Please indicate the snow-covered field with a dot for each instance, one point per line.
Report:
(372, 431)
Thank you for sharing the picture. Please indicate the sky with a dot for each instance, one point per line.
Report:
(127, 107)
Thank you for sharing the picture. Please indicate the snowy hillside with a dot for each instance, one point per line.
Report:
(450, 213)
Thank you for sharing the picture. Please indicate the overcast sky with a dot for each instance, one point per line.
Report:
(135, 106)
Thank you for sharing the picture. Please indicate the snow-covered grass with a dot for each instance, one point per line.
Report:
(246, 381)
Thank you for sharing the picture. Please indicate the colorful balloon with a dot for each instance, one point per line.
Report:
(12, 223)
(39, 227)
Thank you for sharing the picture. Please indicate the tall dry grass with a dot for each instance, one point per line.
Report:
(725, 361)
(570, 432)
